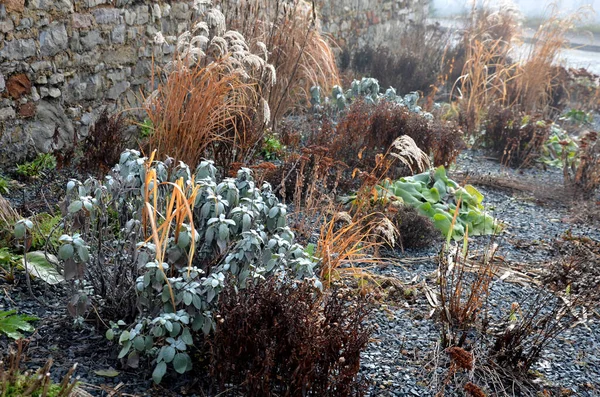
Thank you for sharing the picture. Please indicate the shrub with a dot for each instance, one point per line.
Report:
(169, 239)
(416, 231)
(286, 338)
(516, 138)
(215, 118)
(104, 143)
(462, 295)
(490, 77)
(414, 63)
(367, 130)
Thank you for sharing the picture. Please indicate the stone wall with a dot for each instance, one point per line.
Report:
(357, 23)
(61, 61)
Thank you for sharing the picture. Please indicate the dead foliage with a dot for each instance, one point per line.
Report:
(516, 138)
(103, 145)
(413, 63)
(578, 268)
(206, 120)
(366, 131)
(583, 178)
(288, 339)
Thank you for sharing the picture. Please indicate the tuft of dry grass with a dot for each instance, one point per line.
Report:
(490, 77)
(462, 294)
(166, 223)
(209, 100)
(199, 111)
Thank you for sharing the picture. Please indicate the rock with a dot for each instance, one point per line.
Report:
(121, 56)
(14, 5)
(18, 49)
(7, 114)
(26, 23)
(117, 90)
(129, 17)
(41, 79)
(54, 92)
(27, 110)
(2, 83)
(180, 11)
(105, 16)
(57, 78)
(6, 25)
(143, 16)
(118, 34)
(91, 40)
(41, 66)
(53, 40)
(52, 129)
(18, 85)
(83, 21)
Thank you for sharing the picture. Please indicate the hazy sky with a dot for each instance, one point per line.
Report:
(530, 8)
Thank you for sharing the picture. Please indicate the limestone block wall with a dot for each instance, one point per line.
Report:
(63, 60)
(356, 23)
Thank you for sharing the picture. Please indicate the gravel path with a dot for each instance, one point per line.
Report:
(399, 361)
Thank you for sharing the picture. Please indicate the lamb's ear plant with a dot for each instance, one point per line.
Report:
(180, 233)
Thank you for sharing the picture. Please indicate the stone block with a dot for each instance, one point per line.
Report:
(83, 21)
(53, 40)
(142, 15)
(18, 85)
(92, 39)
(7, 25)
(14, 5)
(118, 34)
(18, 49)
(7, 114)
(52, 129)
(117, 90)
(120, 56)
(105, 16)
(57, 78)
(27, 110)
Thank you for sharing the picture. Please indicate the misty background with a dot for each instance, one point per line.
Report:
(530, 8)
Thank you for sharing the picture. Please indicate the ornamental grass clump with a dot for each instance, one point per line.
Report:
(209, 98)
(300, 52)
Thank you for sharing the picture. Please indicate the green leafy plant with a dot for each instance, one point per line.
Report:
(578, 116)
(8, 263)
(36, 168)
(439, 198)
(4, 189)
(12, 324)
(146, 128)
(560, 149)
(45, 227)
(272, 148)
